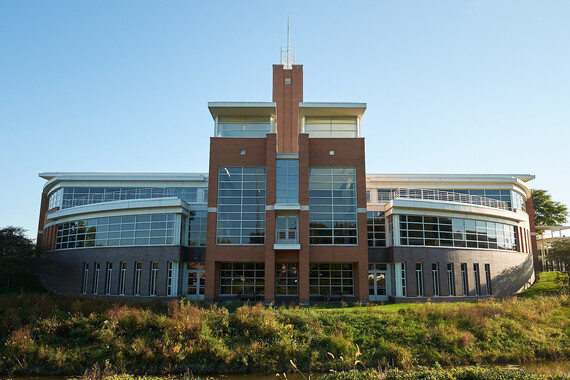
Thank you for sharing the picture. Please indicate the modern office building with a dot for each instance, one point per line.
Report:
(287, 213)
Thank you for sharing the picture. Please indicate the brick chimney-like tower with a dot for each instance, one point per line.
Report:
(287, 94)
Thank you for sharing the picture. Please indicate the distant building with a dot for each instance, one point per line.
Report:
(288, 213)
(545, 241)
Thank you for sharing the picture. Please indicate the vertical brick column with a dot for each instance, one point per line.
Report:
(41, 222)
(534, 246)
(287, 93)
(304, 252)
(270, 178)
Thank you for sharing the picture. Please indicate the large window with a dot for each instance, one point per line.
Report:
(328, 278)
(197, 228)
(108, 232)
(376, 226)
(242, 278)
(332, 206)
(506, 199)
(241, 205)
(55, 199)
(455, 232)
(326, 127)
(286, 279)
(287, 182)
(79, 196)
(243, 126)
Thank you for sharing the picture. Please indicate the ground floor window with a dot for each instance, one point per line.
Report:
(419, 280)
(153, 274)
(328, 278)
(85, 276)
(477, 279)
(96, 278)
(137, 279)
(172, 279)
(464, 283)
(242, 278)
(286, 279)
(435, 278)
(122, 278)
(488, 279)
(108, 277)
(450, 279)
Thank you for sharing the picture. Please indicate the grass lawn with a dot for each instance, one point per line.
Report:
(548, 283)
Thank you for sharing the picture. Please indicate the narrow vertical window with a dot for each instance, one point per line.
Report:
(477, 279)
(153, 274)
(85, 277)
(287, 181)
(108, 277)
(464, 279)
(435, 278)
(419, 280)
(488, 279)
(122, 278)
(172, 279)
(450, 279)
(96, 278)
(137, 283)
(403, 284)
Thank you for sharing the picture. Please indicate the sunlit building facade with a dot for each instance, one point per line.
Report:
(287, 213)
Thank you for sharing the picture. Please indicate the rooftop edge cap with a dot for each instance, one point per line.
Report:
(331, 109)
(242, 109)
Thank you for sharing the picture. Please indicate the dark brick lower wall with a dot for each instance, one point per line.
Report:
(511, 272)
(64, 270)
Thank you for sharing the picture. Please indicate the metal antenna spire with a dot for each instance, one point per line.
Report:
(288, 53)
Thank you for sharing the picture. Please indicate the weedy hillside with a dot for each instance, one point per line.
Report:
(47, 334)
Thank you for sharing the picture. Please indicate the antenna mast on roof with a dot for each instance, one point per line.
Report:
(288, 53)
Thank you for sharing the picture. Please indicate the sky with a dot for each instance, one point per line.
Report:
(451, 86)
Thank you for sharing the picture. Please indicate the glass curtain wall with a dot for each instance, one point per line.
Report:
(332, 206)
(241, 205)
(455, 232)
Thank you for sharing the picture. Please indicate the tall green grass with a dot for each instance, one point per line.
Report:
(47, 334)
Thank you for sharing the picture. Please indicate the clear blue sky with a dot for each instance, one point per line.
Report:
(451, 86)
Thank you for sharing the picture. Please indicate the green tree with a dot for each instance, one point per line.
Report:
(13, 241)
(546, 211)
(19, 261)
(560, 252)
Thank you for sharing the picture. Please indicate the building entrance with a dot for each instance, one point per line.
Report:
(377, 282)
(195, 275)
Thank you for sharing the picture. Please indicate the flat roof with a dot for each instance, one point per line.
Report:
(331, 109)
(450, 177)
(103, 176)
(242, 109)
